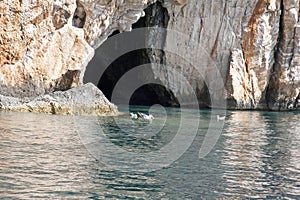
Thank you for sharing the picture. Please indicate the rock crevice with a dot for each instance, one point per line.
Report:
(284, 84)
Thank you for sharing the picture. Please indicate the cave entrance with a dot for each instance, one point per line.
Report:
(147, 95)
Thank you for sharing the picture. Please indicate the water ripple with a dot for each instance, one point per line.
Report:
(257, 157)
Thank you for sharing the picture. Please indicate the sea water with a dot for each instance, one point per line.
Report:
(256, 155)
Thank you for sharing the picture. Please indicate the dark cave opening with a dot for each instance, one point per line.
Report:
(147, 94)
(151, 94)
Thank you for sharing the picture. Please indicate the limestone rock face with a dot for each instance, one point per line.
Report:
(46, 45)
(39, 45)
(284, 88)
(102, 17)
(253, 43)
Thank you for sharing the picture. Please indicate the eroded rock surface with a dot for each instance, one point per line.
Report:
(41, 41)
(254, 45)
(82, 100)
(39, 45)
(45, 46)
(284, 87)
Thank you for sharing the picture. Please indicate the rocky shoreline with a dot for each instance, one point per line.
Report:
(83, 100)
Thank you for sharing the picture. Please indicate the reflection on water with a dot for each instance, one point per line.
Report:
(257, 156)
(261, 155)
(41, 157)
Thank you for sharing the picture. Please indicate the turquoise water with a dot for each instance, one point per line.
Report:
(257, 156)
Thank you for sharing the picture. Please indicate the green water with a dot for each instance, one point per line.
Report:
(257, 156)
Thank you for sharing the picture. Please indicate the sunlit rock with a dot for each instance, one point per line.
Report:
(45, 46)
(83, 100)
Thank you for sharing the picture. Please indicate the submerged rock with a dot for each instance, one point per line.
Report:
(83, 100)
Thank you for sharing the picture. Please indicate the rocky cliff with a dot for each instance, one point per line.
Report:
(254, 44)
(45, 46)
